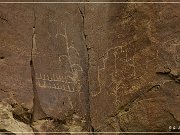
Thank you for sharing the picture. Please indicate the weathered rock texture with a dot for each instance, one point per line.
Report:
(89, 67)
(134, 66)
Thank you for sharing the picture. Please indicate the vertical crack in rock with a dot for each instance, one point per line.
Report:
(83, 21)
(37, 112)
(87, 92)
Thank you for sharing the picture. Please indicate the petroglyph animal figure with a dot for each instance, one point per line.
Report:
(119, 56)
(118, 66)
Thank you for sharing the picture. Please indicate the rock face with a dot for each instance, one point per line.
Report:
(16, 95)
(89, 67)
(133, 66)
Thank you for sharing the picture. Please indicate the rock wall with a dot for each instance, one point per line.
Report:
(99, 67)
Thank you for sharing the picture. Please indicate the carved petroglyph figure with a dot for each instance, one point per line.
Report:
(69, 81)
(71, 52)
(75, 67)
(119, 66)
(118, 55)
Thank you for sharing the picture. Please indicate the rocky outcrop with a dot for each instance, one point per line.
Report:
(89, 67)
(9, 122)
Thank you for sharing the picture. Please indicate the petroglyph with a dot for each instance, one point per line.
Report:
(69, 81)
(56, 82)
(116, 51)
(71, 52)
(119, 56)
(118, 66)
